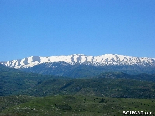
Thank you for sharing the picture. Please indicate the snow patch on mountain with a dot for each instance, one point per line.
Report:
(102, 60)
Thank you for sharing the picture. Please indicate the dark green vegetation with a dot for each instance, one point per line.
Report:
(106, 84)
(72, 106)
(13, 81)
(139, 77)
(108, 87)
(108, 93)
(82, 70)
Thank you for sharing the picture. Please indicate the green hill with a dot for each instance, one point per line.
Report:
(77, 106)
(12, 81)
(108, 94)
(119, 87)
(109, 84)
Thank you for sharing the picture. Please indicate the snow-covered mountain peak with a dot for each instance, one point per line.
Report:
(102, 60)
(78, 54)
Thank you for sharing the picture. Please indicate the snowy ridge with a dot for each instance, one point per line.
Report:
(102, 60)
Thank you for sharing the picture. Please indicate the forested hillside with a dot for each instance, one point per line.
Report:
(82, 70)
(108, 93)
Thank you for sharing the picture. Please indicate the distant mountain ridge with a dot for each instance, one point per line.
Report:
(102, 60)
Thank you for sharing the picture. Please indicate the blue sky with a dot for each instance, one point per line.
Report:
(65, 27)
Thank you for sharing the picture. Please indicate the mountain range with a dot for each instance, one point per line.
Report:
(99, 92)
(102, 60)
(80, 65)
